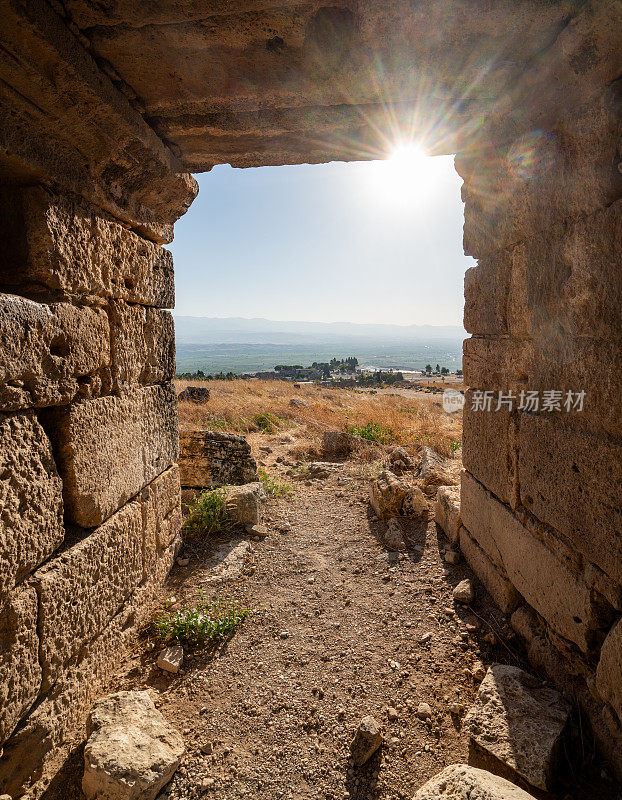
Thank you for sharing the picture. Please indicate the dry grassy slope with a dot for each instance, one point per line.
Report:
(415, 421)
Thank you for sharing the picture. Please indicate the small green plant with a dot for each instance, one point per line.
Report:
(208, 513)
(455, 445)
(272, 486)
(266, 422)
(373, 432)
(204, 621)
(216, 423)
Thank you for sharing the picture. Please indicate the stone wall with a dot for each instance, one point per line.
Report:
(540, 496)
(89, 485)
(212, 458)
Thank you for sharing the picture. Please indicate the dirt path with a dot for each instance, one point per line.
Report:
(339, 628)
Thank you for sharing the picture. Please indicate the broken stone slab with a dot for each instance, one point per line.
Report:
(367, 740)
(520, 721)
(462, 782)
(337, 443)
(226, 561)
(131, 751)
(208, 459)
(435, 471)
(447, 511)
(415, 505)
(194, 394)
(244, 503)
(386, 495)
(170, 659)
(297, 403)
(393, 538)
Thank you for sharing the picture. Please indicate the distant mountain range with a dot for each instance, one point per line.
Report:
(235, 344)
(204, 330)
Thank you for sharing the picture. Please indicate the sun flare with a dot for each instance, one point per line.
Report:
(407, 176)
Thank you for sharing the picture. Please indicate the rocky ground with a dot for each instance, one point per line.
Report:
(339, 628)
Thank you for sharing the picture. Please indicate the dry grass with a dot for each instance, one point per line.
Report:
(246, 406)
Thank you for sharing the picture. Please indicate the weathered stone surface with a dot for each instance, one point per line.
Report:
(209, 459)
(194, 394)
(50, 353)
(20, 673)
(393, 538)
(488, 448)
(83, 588)
(520, 721)
(367, 740)
(491, 575)
(415, 504)
(244, 503)
(162, 517)
(463, 592)
(561, 475)
(170, 659)
(386, 495)
(609, 670)
(142, 344)
(31, 522)
(108, 449)
(73, 249)
(545, 581)
(435, 471)
(447, 511)
(131, 751)
(462, 782)
(337, 443)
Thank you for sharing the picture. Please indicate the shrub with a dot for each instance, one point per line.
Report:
(372, 431)
(198, 624)
(272, 486)
(266, 422)
(208, 513)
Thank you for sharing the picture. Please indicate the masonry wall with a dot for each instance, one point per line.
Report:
(540, 497)
(89, 485)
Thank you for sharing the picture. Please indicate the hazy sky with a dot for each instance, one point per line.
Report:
(373, 241)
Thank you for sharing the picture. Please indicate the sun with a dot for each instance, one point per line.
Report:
(406, 177)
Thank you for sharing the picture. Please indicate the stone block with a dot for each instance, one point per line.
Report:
(520, 721)
(110, 448)
(547, 583)
(131, 752)
(571, 481)
(244, 504)
(463, 782)
(488, 447)
(82, 589)
(142, 344)
(31, 522)
(50, 353)
(609, 670)
(387, 494)
(554, 362)
(20, 673)
(162, 517)
(72, 249)
(209, 459)
(447, 511)
(492, 576)
(435, 470)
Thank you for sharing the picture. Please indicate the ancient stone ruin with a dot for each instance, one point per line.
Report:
(107, 109)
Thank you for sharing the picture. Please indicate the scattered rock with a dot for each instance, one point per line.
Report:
(257, 530)
(367, 740)
(386, 495)
(425, 638)
(194, 394)
(424, 711)
(434, 471)
(294, 401)
(452, 556)
(183, 561)
(400, 460)
(462, 782)
(393, 538)
(415, 505)
(463, 592)
(171, 658)
(337, 443)
(131, 751)
(520, 721)
(478, 671)
(244, 503)
(392, 714)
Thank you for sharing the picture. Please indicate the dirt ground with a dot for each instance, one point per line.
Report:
(339, 628)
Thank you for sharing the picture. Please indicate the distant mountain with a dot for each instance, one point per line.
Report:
(235, 344)
(213, 330)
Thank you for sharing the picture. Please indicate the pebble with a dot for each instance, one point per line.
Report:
(171, 659)
(463, 592)
(424, 711)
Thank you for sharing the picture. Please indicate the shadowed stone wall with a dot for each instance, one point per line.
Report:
(104, 111)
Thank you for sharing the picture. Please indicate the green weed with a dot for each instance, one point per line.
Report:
(208, 513)
(373, 432)
(272, 486)
(200, 623)
(455, 445)
(267, 422)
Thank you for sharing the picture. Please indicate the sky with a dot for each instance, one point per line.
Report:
(377, 241)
